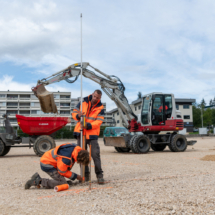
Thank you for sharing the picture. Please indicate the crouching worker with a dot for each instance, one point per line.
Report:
(57, 163)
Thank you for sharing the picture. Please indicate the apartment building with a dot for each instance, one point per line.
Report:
(182, 104)
(27, 104)
(108, 116)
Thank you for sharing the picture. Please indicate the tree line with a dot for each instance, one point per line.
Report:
(199, 113)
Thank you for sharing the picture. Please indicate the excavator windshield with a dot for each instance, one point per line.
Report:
(145, 115)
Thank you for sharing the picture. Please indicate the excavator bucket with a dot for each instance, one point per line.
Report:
(115, 141)
(46, 99)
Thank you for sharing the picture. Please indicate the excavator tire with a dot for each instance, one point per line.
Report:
(178, 143)
(121, 149)
(158, 147)
(131, 142)
(43, 144)
(3, 149)
(141, 144)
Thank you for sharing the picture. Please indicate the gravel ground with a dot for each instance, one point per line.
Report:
(153, 183)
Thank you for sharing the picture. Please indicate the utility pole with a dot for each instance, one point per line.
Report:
(202, 116)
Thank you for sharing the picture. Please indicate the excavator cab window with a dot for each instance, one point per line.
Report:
(145, 110)
(157, 110)
(161, 109)
(168, 104)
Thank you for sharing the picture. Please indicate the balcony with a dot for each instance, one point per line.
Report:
(24, 107)
(25, 97)
(12, 98)
(65, 98)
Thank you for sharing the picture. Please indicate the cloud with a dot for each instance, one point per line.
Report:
(152, 46)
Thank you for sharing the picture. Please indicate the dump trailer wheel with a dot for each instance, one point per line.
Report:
(121, 149)
(43, 144)
(158, 147)
(178, 143)
(3, 149)
(7, 149)
(141, 144)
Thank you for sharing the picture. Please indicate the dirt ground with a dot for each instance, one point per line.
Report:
(154, 183)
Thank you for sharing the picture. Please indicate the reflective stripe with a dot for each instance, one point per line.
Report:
(72, 176)
(46, 165)
(91, 118)
(61, 171)
(100, 119)
(54, 156)
(75, 111)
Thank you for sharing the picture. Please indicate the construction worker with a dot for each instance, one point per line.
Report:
(93, 109)
(57, 163)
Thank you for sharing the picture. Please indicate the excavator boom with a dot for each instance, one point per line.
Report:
(111, 85)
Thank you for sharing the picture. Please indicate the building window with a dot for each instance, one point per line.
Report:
(186, 106)
(117, 113)
(113, 114)
(135, 108)
(2, 96)
(177, 107)
(139, 107)
(117, 121)
(3, 104)
(186, 116)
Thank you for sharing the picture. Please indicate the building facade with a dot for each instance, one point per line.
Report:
(184, 105)
(27, 104)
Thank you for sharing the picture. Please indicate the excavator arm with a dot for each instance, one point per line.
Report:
(111, 85)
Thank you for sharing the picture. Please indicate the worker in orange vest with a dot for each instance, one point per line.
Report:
(57, 163)
(93, 109)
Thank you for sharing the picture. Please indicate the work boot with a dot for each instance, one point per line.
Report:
(101, 180)
(34, 181)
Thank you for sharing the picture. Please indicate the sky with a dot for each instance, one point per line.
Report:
(152, 46)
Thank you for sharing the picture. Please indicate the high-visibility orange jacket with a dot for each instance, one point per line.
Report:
(94, 118)
(61, 158)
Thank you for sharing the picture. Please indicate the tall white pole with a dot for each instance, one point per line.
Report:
(202, 117)
(81, 95)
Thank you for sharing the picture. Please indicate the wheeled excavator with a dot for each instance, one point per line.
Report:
(156, 127)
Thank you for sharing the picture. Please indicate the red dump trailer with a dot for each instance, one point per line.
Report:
(39, 129)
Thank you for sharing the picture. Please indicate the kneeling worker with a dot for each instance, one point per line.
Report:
(57, 163)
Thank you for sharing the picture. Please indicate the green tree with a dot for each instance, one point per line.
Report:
(203, 103)
(207, 117)
(139, 95)
(196, 116)
(211, 102)
(213, 116)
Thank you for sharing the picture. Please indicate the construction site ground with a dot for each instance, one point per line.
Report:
(154, 183)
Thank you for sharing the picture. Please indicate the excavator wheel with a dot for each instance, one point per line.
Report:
(121, 149)
(3, 149)
(158, 147)
(178, 143)
(140, 144)
(43, 144)
(131, 142)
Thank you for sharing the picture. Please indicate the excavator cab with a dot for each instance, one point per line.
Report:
(157, 109)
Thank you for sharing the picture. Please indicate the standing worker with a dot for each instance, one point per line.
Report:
(93, 109)
(57, 163)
